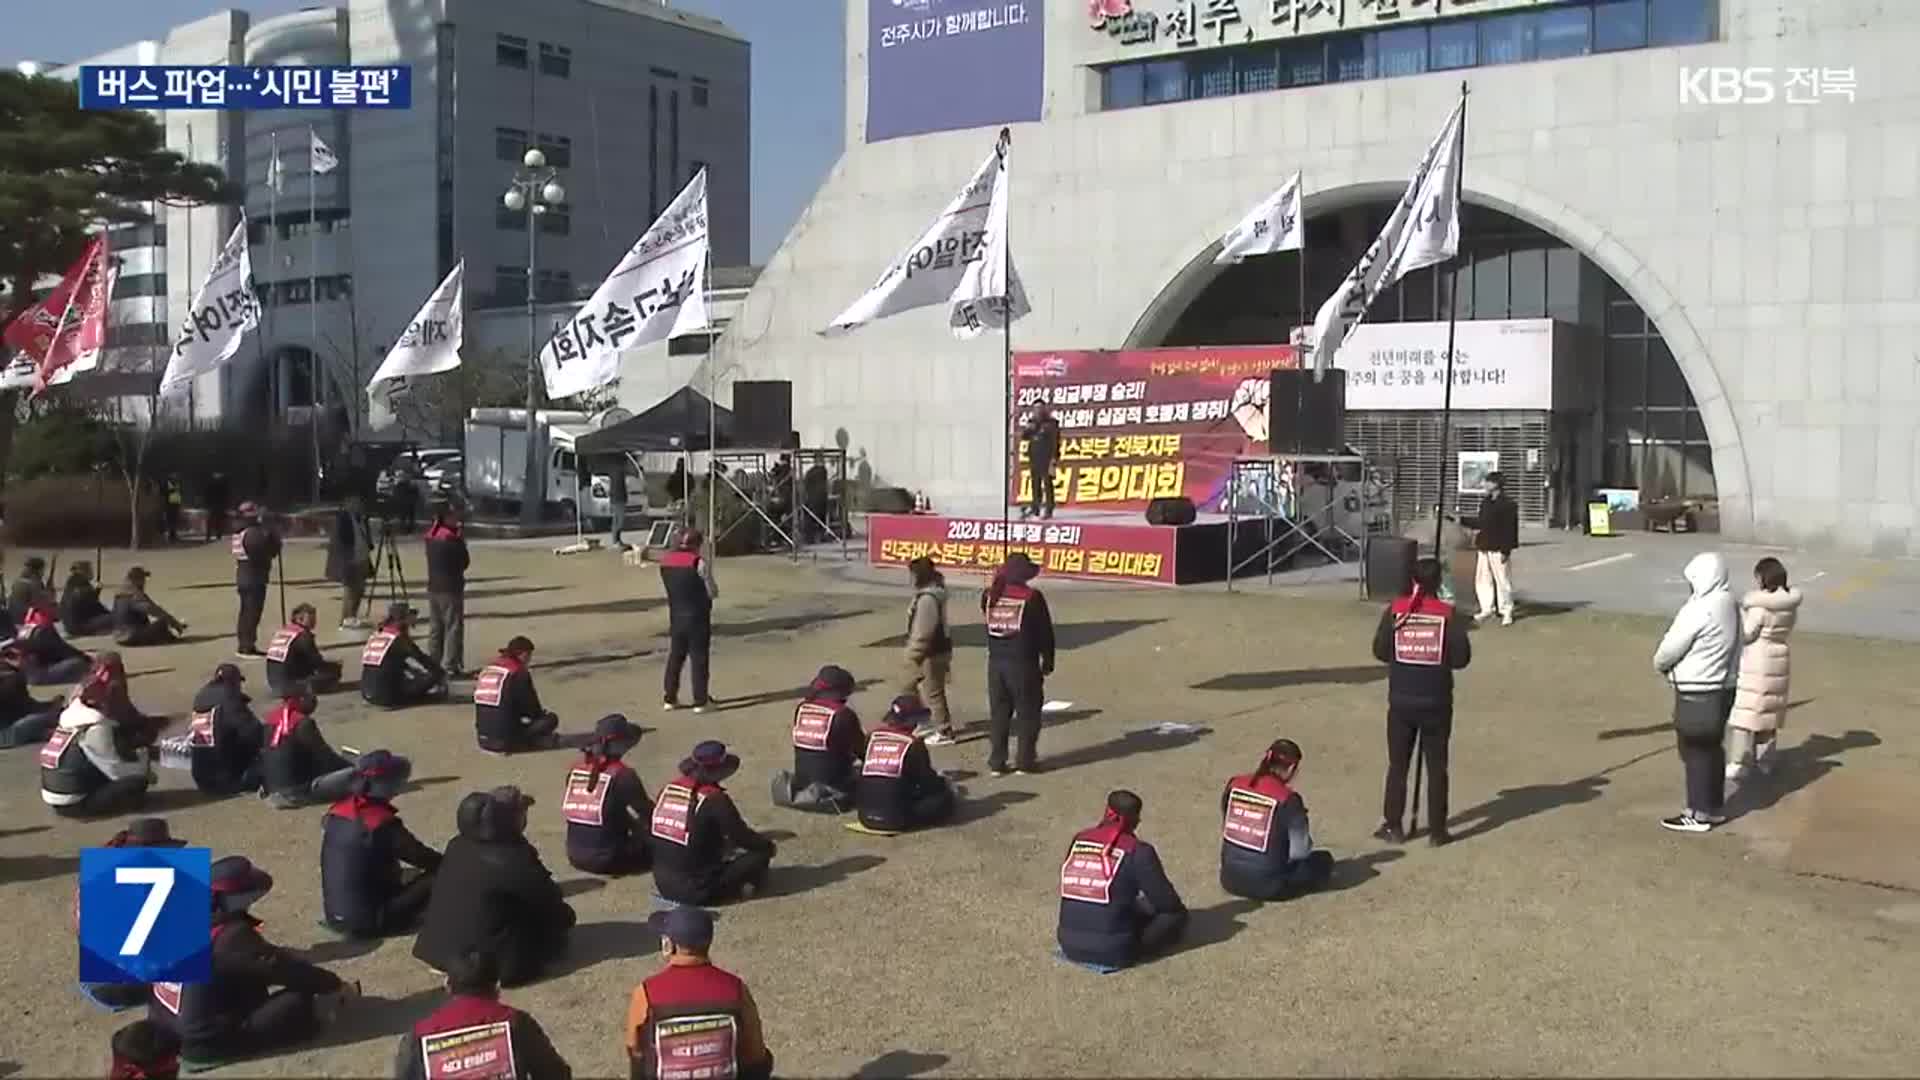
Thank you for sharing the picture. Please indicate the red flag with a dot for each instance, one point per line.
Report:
(70, 325)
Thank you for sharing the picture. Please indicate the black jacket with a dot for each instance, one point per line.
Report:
(344, 549)
(534, 1057)
(490, 888)
(1498, 525)
(44, 647)
(25, 591)
(381, 684)
(886, 802)
(1416, 677)
(831, 764)
(1022, 630)
(1105, 930)
(253, 563)
(362, 844)
(1043, 440)
(246, 969)
(302, 659)
(620, 803)
(296, 753)
(504, 700)
(689, 604)
(446, 559)
(79, 605)
(16, 697)
(687, 872)
(226, 743)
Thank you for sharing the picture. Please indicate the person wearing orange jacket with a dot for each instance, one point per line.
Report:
(695, 1016)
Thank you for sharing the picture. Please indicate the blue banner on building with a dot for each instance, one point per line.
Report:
(182, 87)
(145, 915)
(944, 65)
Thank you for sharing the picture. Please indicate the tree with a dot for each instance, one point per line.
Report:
(65, 172)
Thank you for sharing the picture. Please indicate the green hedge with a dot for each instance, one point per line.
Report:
(71, 511)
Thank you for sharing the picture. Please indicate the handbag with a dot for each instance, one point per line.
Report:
(1700, 715)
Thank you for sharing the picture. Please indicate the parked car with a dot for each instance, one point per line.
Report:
(430, 469)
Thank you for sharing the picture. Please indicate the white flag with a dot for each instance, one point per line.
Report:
(321, 157)
(276, 176)
(431, 343)
(1423, 229)
(930, 271)
(223, 310)
(657, 291)
(1274, 225)
(990, 294)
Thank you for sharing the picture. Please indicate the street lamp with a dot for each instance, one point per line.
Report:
(534, 188)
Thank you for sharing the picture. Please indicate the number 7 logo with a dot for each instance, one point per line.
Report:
(159, 882)
(145, 915)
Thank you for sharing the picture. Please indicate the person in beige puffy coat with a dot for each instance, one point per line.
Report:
(1760, 691)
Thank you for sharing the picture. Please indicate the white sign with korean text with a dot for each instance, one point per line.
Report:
(932, 268)
(222, 312)
(1132, 28)
(1499, 364)
(431, 342)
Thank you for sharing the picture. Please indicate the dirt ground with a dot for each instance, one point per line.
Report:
(1565, 933)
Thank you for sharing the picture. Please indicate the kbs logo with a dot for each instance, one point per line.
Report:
(1763, 85)
(145, 915)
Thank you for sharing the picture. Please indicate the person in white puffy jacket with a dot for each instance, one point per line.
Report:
(1699, 655)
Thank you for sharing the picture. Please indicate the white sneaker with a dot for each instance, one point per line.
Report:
(941, 738)
(1686, 822)
(1506, 620)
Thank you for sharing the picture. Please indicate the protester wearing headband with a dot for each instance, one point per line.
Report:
(47, 658)
(293, 656)
(363, 843)
(606, 807)
(507, 714)
(99, 760)
(703, 851)
(298, 766)
(1422, 642)
(1116, 905)
(1266, 846)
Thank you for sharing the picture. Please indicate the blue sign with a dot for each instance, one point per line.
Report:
(124, 86)
(146, 915)
(944, 65)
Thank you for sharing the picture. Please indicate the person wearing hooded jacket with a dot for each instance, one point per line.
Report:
(363, 843)
(1767, 615)
(447, 562)
(298, 767)
(1116, 904)
(50, 659)
(137, 620)
(1266, 842)
(474, 1022)
(394, 673)
(99, 760)
(507, 714)
(1423, 641)
(687, 578)
(294, 657)
(492, 892)
(238, 1013)
(254, 549)
(224, 737)
(899, 790)
(1020, 649)
(1699, 655)
(24, 719)
(929, 648)
(81, 612)
(827, 743)
(606, 807)
(704, 852)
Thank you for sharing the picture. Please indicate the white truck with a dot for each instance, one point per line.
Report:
(496, 458)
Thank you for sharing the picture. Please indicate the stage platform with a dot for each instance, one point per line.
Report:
(1096, 545)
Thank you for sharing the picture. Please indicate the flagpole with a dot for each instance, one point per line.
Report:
(274, 180)
(713, 393)
(1453, 315)
(1006, 365)
(313, 315)
(191, 418)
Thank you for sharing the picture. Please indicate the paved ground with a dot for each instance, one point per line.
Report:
(1565, 934)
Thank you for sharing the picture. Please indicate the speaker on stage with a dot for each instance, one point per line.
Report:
(1307, 417)
(1390, 566)
(890, 500)
(762, 413)
(1170, 511)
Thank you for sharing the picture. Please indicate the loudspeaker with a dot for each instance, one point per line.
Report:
(890, 500)
(1390, 565)
(1170, 511)
(762, 413)
(1307, 417)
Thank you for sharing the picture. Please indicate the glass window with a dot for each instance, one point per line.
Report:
(510, 220)
(1665, 384)
(1563, 283)
(1303, 63)
(1166, 81)
(1625, 317)
(556, 60)
(1680, 22)
(558, 148)
(510, 51)
(1123, 86)
(1563, 32)
(1507, 39)
(1622, 465)
(1349, 59)
(1490, 291)
(1619, 24)
(1256, 70)
(1399, 52)
(1453, 45)
(1416, 296)
(510, 282)
(700, 92)
(557, 221)
(509, 143)
(1699, 482)
(1666, 425)
(1528, 294)
(1210, 75)
(1626, 374)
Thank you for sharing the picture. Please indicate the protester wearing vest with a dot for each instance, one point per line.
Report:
(899, 789)
(224, 737)
(507, 714)
(827, 744)
(447, 562)
(703, 851)
(254, 548)
(298, 767)
(1116, 905)
(144, 1050)
(688, 581)
(1700, 654)
(137, 620)
(294, 658)
(29, 587)
(493, 893)
(363, 889)
(1423, 642)
(692, 1014)
(1019, 658)
(1266, 844)
(24, 719)
(238, 1013)
(476, 1034)
(81, 612)
(140, 832)
(48, 658)
(929, 648)
(394, 673)
(605, 805)
(99, 760)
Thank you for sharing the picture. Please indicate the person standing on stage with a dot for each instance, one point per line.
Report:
(1019, 658)
(929, 659)
(1042, 434)
(350, 559)
(687, 577)
(255, 547)
(1423, 642)
(447, 563)
(1496, 533)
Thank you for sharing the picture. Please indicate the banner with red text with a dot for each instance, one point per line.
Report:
(65, 332)
(1144, 424)
(1099, 552)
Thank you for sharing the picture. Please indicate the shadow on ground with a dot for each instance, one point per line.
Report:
(567, 662)
(974, 808)
(785, 623)
(37, 868)
(1066, 635)
(794, 880)
(1357, 871)
(377, 1017)
(767, 697)
(597, 942)
(1276, 680)
(1796, 767)
(1518, 803)
(1133, 742)
(1212, 926)
(1542, 609)
(4, 833)
(893, 1063)
(632, 605)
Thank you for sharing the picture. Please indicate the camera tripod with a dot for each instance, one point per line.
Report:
(386, 561)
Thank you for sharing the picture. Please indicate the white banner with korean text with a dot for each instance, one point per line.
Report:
(1498, 364)
(223, 310)
(932, 268)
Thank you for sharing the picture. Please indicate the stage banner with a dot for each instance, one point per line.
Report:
(1144, 424)
(1098, 552)
(944, 65)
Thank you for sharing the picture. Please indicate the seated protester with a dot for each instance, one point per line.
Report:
(1266, 848)
(238, 1013)
(49, 659)
(99, 760)
(606, 805)
(899, 789)
(298, 767)
(143, 1050)
(492, 892)
(24, 719)
(140, 832)
(1116, 904)
(703, 852)
(137, 620)
(507, 714)
(81, 612)
(475, 1023)
(394, 673)
(827, 743)
(293, 656)
(29, 587)
(362, 844)
(691, 1011)
(224, 737)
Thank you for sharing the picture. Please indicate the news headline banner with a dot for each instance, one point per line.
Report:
(1097, 552)
(173, 86)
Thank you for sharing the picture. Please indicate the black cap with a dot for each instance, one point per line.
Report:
(1021, 569)
(229, 673)
(396, 612)
(687, 927)
(508, 795)
(237, 874)
(907, 707)
(616, 728)
(834, 679)
(151, 832)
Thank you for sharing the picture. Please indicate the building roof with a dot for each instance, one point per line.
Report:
(667, 13)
